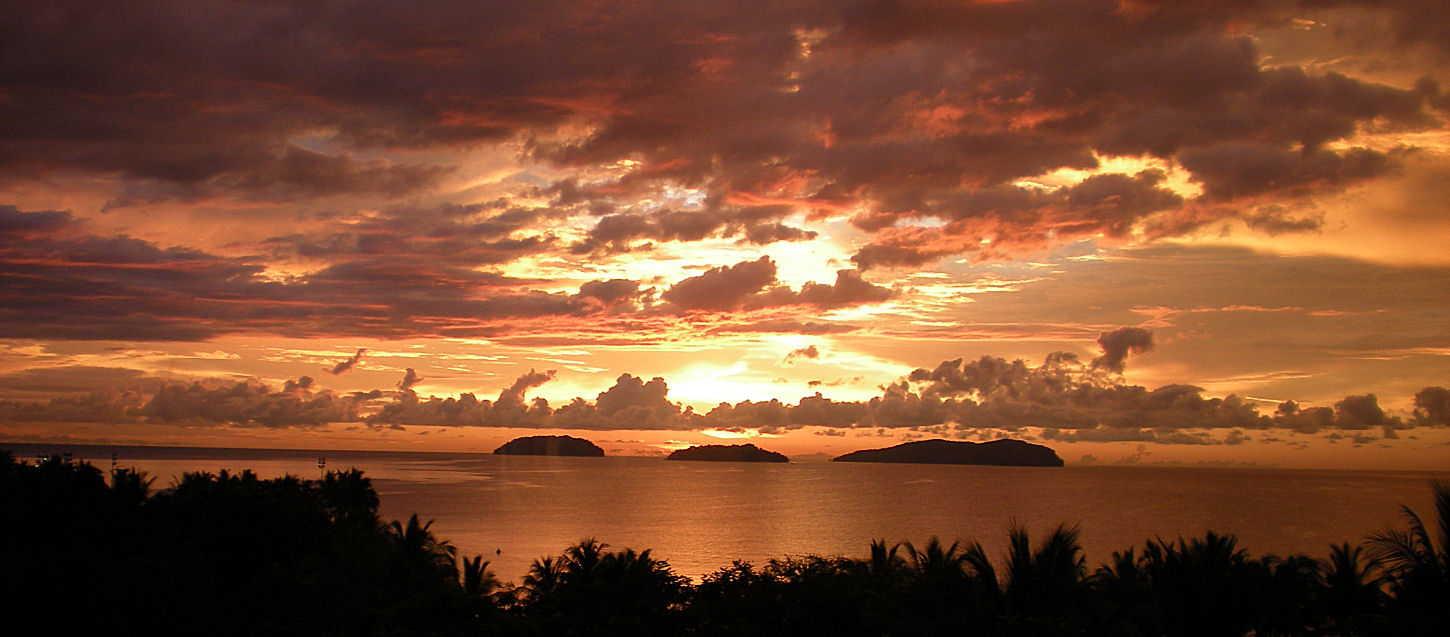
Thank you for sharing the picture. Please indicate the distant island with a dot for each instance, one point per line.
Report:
(549, 446)
(1009, 453)
(728, 453)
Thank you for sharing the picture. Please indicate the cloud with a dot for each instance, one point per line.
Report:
(59, 281)
(512, 397)
(1065, 398)
(1238, 170)
(749, 285)
(302, 384)
(755, 115)
(410, 380)
(1120, 342)
(45, 382)
(1361, 412)
(805, 352)
(488, 233)
(346, 366)
(1432, 407)
(615, 295)
(246, 403)
(722, 288)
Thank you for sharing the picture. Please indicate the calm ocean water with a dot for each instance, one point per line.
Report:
(702, 515)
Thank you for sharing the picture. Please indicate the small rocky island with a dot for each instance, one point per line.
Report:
(728, 453)
(549, 446)
(1005, 453)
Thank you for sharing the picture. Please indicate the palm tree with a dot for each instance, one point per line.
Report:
(1417, 570)
(885, 561)
(1205, 586)
(417, 541)
(478, 581)
(131, 485)
(584, 557)
(936, 562)
(885, 567)
(1353, 586)
(1043, 582)
(350, 496)
(543, 577)
(1286, 600)
(1123, 603)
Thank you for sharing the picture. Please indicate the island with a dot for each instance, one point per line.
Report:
(1005, 452)
(728, 453)
(549, 446)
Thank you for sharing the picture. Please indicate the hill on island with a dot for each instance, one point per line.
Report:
(728, 453)
(1008, 453)
(549, 446)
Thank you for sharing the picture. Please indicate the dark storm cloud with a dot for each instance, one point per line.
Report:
(473, 235)
(513, 395)
(1067, 399)
(749, 285)
(346, 366)
(631, 403)
(1120, 342)
(1432, 406)
(904, 109)
(722, 288)
(410, 380)
(1238, 170)
(764, 233)
(783, 326)
(74, 379)
(629, 231)
(1274, 220)
(615, 295)
(619, 232)
(58, 281)
(1360, 412)
(210, 402)
(246, 403)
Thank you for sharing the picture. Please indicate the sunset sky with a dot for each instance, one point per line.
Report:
(1135, 231)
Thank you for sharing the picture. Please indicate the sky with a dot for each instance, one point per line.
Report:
(1134, 231)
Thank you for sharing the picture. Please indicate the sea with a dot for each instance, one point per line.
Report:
(702, 516)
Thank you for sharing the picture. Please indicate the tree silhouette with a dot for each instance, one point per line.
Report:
(233, 553)
(1353, 598)
(417, 542)
(478, 581)
(350, 496)
(1417, 567)
(1204, 587)
(131, 485)
(1043, 584)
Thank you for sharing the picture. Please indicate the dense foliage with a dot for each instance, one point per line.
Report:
(225, 554)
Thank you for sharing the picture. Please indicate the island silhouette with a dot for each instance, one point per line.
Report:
(549, 446)
(1005, 452)
(728, 453)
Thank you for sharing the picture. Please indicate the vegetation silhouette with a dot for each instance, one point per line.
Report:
(549, 446)
(727, 453)
(235, 554)
(1417, 567)
(1004, 452)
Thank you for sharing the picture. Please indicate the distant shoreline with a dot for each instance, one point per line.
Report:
(102, 452)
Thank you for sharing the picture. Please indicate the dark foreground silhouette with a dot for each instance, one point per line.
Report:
(1004, 453)
(727, 453)
(233, 554)
(549, 446)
